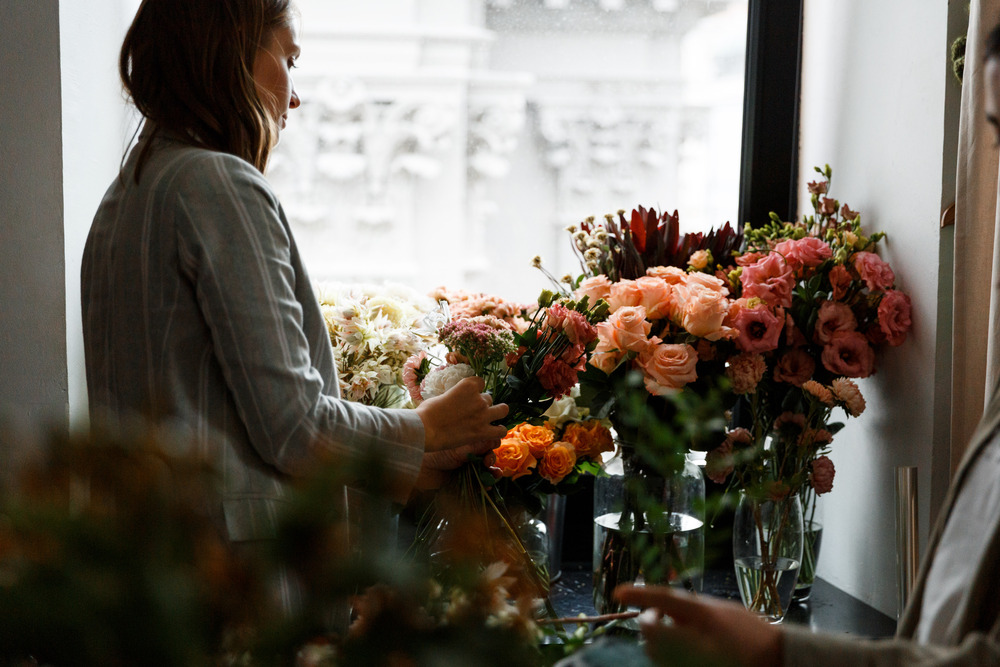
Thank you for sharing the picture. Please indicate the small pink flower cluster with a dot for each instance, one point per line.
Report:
(655, 319)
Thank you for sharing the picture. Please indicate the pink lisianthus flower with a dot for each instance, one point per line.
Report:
(796, 367)
(803, 254)
(822, 474)
(745, 372)
(759, 329)
(894, 316)
(874, 271)
(833, 316)
(848, 353)
(840, 281)
(818, 187)
(556, 376)
(770, 279)
(596, 287)
(749, 259)
(668, 367)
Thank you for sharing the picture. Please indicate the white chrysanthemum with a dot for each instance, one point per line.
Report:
(442, 379)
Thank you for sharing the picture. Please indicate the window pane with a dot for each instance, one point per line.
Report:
(447, 143)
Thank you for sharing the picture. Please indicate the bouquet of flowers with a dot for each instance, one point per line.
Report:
(814, 302)
(528, 369)
(374, 330)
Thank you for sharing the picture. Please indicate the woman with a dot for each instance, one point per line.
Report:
(197, 309)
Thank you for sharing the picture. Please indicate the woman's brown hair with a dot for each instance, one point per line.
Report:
(188, 67)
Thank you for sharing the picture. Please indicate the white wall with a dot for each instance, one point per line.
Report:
(33, 381)
(873, 99)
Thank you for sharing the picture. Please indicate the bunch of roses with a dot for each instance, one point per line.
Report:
(660, 324)
(552, 452)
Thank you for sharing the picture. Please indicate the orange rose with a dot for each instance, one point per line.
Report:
(589, 438)
(668, 367)
(558, 462)
(513, 457)
(538, 437)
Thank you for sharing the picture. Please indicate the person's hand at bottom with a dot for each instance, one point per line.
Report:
(682, 629)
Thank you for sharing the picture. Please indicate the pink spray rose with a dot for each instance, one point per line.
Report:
(894, 316)
(822, 475)
(876, 273)
(770, 280)
(803, 254)
(833, 316)
(759, 329)
(848, 353)
(668, 367)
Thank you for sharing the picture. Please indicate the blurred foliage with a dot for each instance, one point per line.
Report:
(111, 553)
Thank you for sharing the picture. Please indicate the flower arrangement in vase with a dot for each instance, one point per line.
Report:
(813, 304)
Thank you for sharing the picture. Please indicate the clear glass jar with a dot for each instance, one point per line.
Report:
(676, 534)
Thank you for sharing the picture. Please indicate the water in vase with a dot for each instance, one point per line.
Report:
(683, 552)
(767, 591)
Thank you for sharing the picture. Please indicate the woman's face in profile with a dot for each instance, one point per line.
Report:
(272, 72)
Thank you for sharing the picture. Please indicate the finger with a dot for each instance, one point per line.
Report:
(487, 398)
(682, 607)
(474, 382)
(498, 411)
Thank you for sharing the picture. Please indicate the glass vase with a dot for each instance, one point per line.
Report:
(767, 552)
(812, 539)
(664, 546)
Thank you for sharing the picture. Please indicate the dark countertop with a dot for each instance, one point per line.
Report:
(828, 609)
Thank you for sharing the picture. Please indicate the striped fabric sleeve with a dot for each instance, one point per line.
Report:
(237, 250)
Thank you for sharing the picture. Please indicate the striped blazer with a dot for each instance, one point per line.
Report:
(198, 312)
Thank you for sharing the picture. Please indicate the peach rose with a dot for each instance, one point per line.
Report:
(558, 462)
(702, 311)
(538, 437)
(875, 272)
(657, 296)
(513, 457)
(707, 281)
(671, 274)
(894, 316)
(833, 316)
(668, 367)
(625, 329)
(699, 259)
(624, 293)
(596, 287)
(848, 353)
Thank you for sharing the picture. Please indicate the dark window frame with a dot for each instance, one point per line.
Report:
(770, 153)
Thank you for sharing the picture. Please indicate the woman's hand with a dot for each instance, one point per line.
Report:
(687, 630)
(456, 424)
